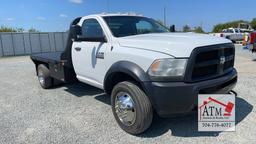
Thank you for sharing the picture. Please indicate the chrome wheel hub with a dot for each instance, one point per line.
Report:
(41, 78)
(125, 109)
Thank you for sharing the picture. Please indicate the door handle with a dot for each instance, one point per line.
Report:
(78, 49)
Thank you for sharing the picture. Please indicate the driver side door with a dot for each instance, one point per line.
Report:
(88, 56)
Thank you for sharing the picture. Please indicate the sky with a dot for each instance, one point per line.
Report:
(55, 15)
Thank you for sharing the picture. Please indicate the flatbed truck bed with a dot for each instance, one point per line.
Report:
(58, 67)
(50, 57)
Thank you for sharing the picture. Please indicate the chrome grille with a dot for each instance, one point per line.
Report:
(210, 62)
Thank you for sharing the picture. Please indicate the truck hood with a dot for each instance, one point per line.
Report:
(174, 44)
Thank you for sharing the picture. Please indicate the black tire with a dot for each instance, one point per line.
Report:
(142, 106)
(44, 77)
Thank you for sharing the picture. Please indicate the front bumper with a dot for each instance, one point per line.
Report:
(170, 98)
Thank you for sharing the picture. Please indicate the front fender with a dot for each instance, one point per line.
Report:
(129, 68)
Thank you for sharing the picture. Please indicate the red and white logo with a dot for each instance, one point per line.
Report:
(216, 112)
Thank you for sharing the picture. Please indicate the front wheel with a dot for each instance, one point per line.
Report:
(131, 108)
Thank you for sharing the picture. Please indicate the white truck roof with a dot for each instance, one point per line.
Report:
(116, 14)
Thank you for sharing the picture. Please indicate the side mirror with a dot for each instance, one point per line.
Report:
(91, 39)
(74, 31)
(172, 28)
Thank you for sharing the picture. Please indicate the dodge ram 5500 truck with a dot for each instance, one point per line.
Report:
(144, 66)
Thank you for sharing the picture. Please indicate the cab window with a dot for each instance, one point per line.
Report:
(122, 26)
(91, 28)
(143, 27)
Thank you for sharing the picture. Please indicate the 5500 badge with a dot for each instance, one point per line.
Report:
(216, 112)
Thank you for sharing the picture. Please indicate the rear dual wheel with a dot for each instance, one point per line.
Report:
(44, 78)
(131, 107)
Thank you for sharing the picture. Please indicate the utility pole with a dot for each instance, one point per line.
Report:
(164, 15)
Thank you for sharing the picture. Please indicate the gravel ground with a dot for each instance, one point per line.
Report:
(79, 113)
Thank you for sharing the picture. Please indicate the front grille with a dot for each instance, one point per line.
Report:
(210, 62)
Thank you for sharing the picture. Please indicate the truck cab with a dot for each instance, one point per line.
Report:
(142, 65)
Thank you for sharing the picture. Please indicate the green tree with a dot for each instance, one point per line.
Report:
(253, 23)
(219, 27)
(20, 30)
(186, 28)
(199, 29)
(33, 30)
(10, 29)
(7, 29)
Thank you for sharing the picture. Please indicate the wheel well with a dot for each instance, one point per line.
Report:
(37, 63)
(116, 78)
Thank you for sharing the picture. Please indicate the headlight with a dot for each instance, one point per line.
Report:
(168, 67)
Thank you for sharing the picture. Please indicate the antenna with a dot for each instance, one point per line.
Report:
(108, 6)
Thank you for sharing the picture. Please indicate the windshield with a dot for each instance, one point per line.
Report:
(122, 26)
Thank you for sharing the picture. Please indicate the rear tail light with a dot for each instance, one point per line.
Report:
(252, 38)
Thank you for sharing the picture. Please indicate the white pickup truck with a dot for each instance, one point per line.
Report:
(233, 34)
(144, 66)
